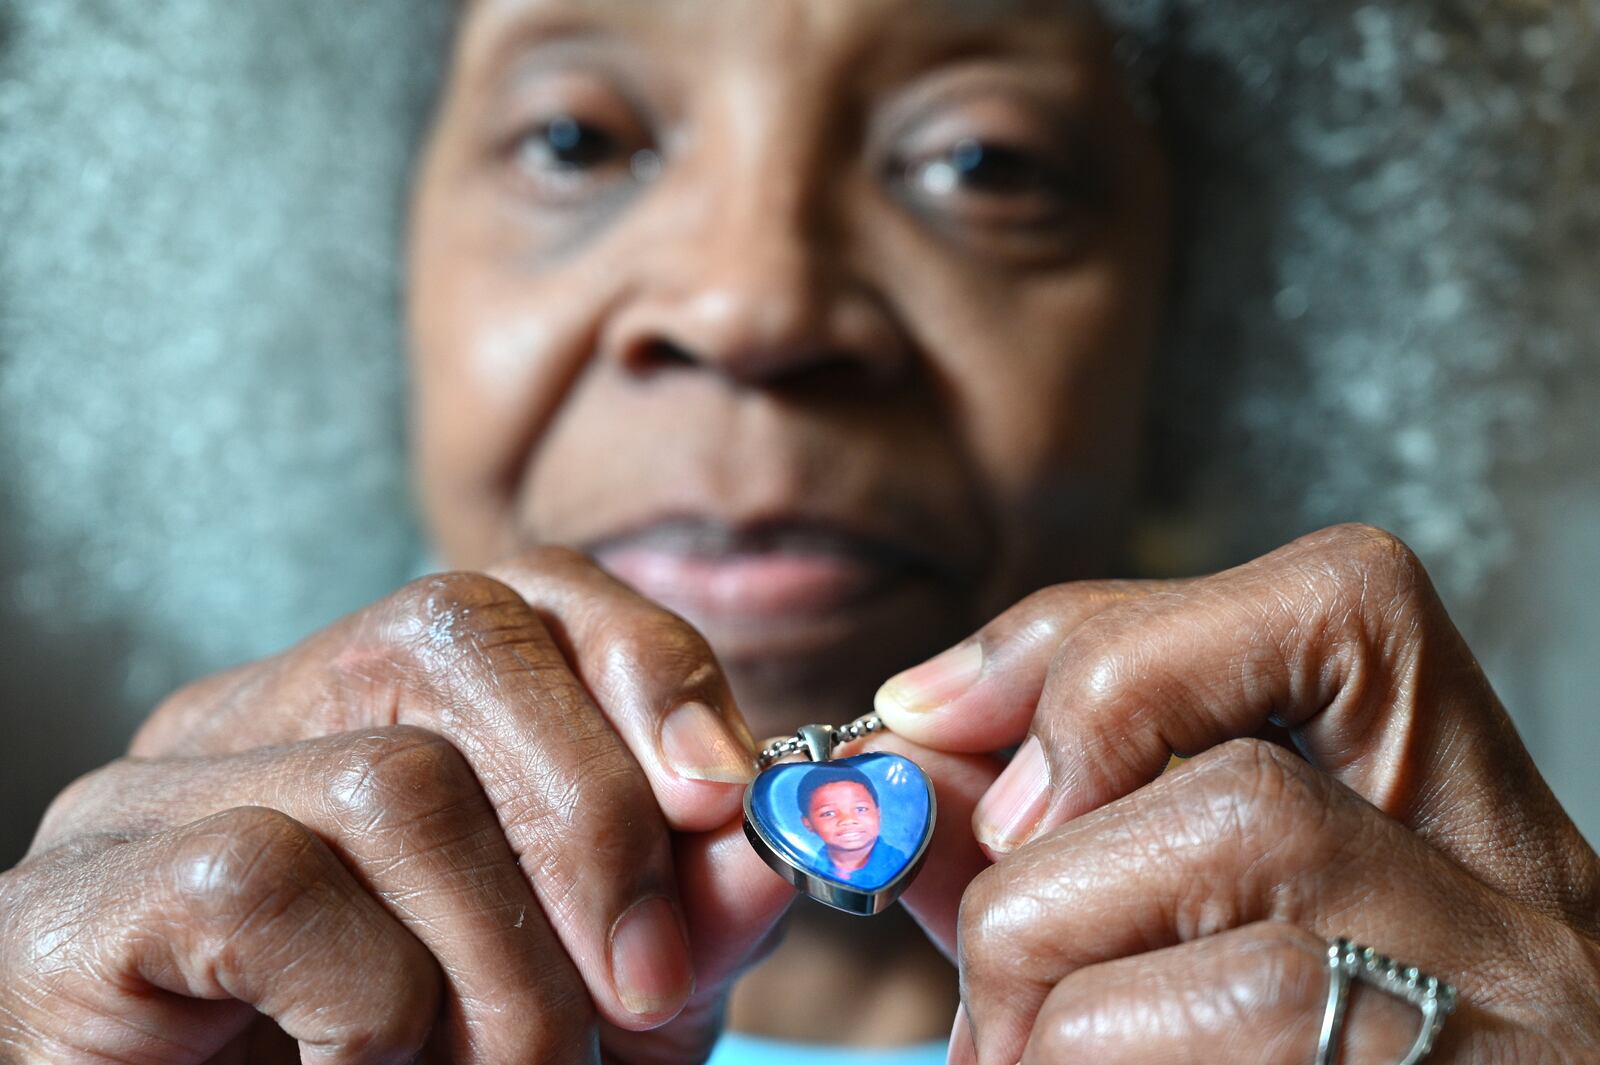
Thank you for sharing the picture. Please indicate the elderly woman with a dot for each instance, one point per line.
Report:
(760, 351)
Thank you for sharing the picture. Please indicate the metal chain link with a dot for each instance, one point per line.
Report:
(861, 726)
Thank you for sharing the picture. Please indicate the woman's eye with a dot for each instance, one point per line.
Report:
(995, 169)
(566, 144)
(985, 189)
(567, 162)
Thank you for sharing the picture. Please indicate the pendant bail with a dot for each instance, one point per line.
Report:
(818, 740)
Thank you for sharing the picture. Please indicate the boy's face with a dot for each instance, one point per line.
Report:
(824, 322)
(845, 815)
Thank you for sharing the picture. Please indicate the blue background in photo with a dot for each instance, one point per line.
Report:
(902, 807)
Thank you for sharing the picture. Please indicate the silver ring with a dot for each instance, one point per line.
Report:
(1346, 961)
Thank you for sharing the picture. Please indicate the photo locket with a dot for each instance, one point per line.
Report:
(849, 832)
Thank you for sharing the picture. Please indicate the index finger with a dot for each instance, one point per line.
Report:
(981, 694)
(1338, 637)
(654, 677)
(650, 673)
(464, 656)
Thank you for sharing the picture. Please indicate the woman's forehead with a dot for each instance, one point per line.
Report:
(810, 22)
(834, 10)
(881, 41)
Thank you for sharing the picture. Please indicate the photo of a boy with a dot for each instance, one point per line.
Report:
(840, 806)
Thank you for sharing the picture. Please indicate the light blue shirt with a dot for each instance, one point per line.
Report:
(738, 1049)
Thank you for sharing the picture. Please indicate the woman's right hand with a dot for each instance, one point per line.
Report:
(458, 824)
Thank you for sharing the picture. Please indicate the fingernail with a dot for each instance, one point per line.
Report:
(961, 1051)
(699, 745)
(650, 960)
(934, 683)
(1010, 810)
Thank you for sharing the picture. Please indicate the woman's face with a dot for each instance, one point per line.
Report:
(824, 322)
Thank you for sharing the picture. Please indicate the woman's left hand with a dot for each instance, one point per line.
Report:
(1136, 916)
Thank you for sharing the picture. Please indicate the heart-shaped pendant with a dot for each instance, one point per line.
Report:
(850, 833)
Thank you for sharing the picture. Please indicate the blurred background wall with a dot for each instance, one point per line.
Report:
(201, 386)
(200, 391)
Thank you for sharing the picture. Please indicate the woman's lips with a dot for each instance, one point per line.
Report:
(744, 584)
(706, 572)
(781, 600)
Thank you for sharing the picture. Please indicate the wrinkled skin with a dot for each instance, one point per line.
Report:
(761, 349)
(1184, 917)
(698, 288)
(464, 794)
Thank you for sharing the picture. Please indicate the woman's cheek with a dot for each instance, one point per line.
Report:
(1055, 421)
(1074, 409)
(495, 359)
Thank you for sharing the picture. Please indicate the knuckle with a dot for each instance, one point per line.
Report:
(170, 725)
(244, 862)
(41, 919)
(180, 703)
(1284, 968)
(1104, 677)
(666, 641)
(258, 888)
(199, 694)
(72, 852)
(396, 779)
(1044, 615)
(1051, 615)
(1276, 822)
(1068, 1023)
(984, 926)
(1099, 692)
(1265, 976)
(1254, 765)
(69, 811)
(446, 595)
(1053, 599)
(436, 624)
(971, 930)
(399, 1032)
(443, 607)
(1369, 563)
(1367, 541)
(1260, 788)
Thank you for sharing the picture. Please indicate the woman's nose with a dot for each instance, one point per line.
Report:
(762, 297)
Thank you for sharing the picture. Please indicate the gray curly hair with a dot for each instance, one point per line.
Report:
(1391, 209)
